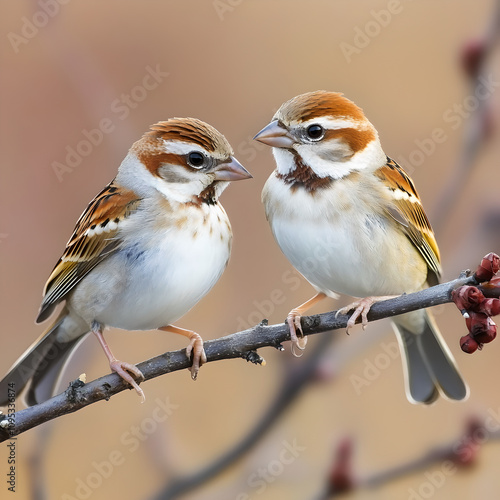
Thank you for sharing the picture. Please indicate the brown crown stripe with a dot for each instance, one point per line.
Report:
(183, 135)
(319, 104)
(191, 130)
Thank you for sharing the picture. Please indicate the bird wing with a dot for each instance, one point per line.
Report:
(93, 239)
(407, 209)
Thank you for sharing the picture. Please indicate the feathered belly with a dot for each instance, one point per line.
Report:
(359, 256)
(152, 283)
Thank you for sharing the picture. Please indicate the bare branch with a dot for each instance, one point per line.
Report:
(237, 345)
(294, 382)
(462, 452)
(476, 64)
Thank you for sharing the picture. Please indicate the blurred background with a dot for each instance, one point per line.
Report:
(66, 66)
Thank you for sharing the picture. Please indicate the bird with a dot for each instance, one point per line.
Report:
(349, 219)
(147, 248)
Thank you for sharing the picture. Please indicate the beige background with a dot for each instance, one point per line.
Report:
(232, 63)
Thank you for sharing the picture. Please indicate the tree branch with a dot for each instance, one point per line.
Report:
(294, 382)
(237, 345)
(458, 454)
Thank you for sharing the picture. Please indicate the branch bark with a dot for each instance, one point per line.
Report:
(294, 382)
(237, 345)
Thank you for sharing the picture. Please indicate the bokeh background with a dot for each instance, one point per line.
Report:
(66, 66)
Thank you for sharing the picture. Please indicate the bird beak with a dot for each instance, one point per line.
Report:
(231, 170)
(275, 135)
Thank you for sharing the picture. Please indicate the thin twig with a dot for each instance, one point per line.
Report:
(294, 383)
(475, 127)
(237, 345)
(461, 452)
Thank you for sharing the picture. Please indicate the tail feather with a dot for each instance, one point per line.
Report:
(429, 366)
(47, 376)
(41, 364)
(441, 362)
(419, 383)
(21, 372)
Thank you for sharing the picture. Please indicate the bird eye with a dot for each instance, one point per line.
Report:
(315, 132)
(196, 160)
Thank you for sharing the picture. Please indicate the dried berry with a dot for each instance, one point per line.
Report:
(468, 344)
(477, 323)
(491, 288)
(341, 478)
(490, 307)
(488, 334)
(467, 297)
(488, 268)
(465, 451)
(472, 56)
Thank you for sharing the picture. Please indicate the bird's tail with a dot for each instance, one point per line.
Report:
(429, 366)
(40, 365)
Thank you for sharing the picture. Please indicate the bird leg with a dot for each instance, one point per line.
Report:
(125, 370)
(195, 347)
(293, 320)
(361, 308)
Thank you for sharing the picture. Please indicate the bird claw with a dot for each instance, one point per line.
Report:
(298, 341)
(195, 348)
(361, 308)
(125, 371)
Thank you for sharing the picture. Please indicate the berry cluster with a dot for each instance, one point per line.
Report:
(477, 308)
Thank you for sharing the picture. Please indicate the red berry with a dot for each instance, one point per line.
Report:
(467, 297)
(468, 344)
(488, 334)
(488, 268)
(491, 289)
(477, 323)
(490, 307)
(465, 452)
(472, 56)
(341, 478)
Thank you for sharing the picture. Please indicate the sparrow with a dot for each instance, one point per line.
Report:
(148, 247)
(350, 221)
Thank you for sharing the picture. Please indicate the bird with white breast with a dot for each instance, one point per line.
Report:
(350, 221)
(148, 247)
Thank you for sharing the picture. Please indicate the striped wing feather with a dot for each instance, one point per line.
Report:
(93, 239)
(410, 213)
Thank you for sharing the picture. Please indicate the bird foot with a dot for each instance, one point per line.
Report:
(126, 370)
(361, 308)
(298, 341)
(196, 350)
